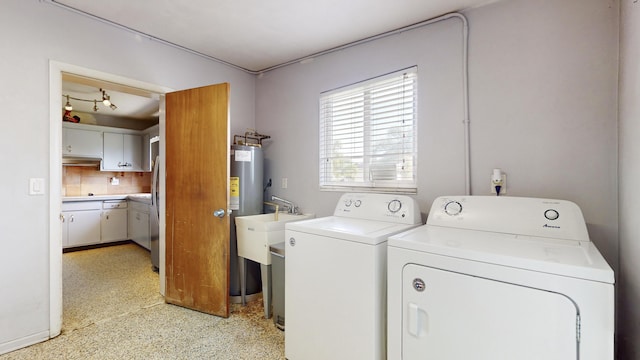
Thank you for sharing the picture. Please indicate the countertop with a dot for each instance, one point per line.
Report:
(142, 197)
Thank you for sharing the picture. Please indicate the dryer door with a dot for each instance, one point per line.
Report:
(448, 315)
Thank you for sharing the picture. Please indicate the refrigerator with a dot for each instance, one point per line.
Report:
(154, 216)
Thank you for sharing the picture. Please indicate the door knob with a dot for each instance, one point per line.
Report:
(219, 213)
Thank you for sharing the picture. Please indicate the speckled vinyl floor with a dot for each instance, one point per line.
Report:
(112, 310)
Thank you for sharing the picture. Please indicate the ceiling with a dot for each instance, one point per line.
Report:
(256, 35)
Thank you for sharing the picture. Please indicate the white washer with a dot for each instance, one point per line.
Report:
(335, 276)
(499, 278)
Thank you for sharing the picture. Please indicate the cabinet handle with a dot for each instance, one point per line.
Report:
(71, 219)
(69, 148)
(62, 218)
(107, 217)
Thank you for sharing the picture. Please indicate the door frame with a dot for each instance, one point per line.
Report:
(55, 177)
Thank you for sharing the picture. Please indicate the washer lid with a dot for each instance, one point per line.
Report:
(578, 259)
(359, 230)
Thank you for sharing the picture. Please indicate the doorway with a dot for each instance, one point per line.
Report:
(55, 176)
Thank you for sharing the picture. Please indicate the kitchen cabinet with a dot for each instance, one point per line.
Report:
(122, 152)
(139, 224)
(81, 143)
(114, 221)
(81, 223)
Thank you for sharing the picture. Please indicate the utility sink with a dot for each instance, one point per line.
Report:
(257, 232)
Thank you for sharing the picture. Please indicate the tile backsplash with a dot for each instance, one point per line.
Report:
(80, 181)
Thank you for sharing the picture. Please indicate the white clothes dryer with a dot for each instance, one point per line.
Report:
(499, 278)
(335, 271)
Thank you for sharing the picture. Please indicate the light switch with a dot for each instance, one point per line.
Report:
(284, 183)
(36, 186)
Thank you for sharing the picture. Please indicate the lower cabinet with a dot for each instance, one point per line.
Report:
(114, 225)
(93, 222)
(81, 223)
(139, 224)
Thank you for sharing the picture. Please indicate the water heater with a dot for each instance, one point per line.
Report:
(246, 198)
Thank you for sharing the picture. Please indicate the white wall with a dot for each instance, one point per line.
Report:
(543, 100)
(31, 34)
(629, 280)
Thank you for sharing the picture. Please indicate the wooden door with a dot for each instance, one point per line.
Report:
(197, 242)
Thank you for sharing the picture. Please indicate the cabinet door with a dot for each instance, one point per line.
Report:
(132, 229)
(65, 229)
(113, 152)
(83, 227)
(122, 152)
(132, 151)
(139, 228)
(114, 225)
(82, 143)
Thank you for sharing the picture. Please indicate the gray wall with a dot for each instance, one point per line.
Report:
(31, 34)
(543, 80)
(543, 92)
(287, 109)
(544, 104)
(629, 279)
(543, 107)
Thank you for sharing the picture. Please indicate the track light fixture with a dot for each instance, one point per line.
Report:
(106, 101)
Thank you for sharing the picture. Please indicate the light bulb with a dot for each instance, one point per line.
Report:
(106, 99)
(68, 106)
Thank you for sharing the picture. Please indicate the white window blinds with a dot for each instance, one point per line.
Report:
(368, 135)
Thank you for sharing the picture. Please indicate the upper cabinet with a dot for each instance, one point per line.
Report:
(122, 152)
(120, 149)
(81, 143)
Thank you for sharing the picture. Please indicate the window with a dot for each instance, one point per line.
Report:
(368, 138)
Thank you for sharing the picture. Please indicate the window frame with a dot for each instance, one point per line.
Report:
(405, 148)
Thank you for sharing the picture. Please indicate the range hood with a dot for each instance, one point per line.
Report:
(79, 161)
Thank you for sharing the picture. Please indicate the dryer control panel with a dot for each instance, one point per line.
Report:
(559, 219)
(401, 209)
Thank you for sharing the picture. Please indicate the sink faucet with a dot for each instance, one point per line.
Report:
(291, 207)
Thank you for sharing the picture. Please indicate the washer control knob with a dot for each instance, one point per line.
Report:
(551, 214)
(347, 202)
(394, 206)
(358, 203)
(453, 208)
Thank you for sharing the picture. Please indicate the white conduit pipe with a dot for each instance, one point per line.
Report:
(465, 61)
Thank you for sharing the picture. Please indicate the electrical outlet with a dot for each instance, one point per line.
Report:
(115, 181)
(284, 183)
(503, 188)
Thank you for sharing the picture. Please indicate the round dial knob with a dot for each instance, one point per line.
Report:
(347, 202)
(358, 203)
(453, 208)
(394, 206)
(551, 214)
